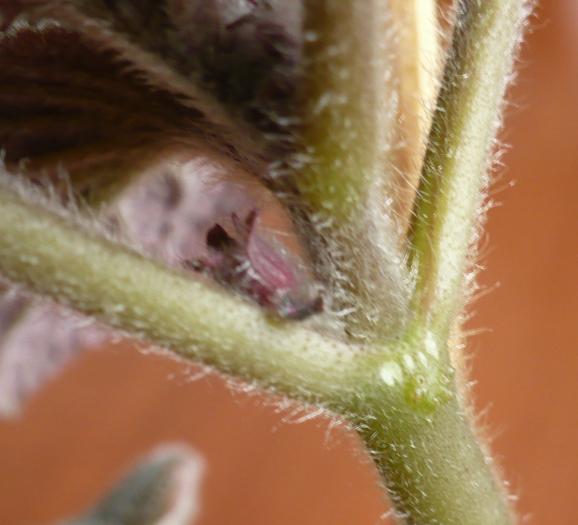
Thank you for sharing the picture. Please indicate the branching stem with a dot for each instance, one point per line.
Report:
(402, 400)
(413, 433)
(459, 153)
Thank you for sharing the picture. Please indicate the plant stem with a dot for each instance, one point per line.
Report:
(464, 128)
(415, 443)
(426, 452)
(430, 460)
(347, 121)
(76, 267)
(348, 105)
(67, 262)
(432, 465)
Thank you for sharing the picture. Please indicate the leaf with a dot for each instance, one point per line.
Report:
(220, 74)
(67, 106)
(98, 91)
(163, 489)
(248, 53)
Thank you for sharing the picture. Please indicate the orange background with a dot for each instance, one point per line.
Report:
(112, 406)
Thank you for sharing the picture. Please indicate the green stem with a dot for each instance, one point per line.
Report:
(75, 266)
(426, 452)
(432, 465)
(430, 460)
(348, 118)
(460, 151)
(349, 107)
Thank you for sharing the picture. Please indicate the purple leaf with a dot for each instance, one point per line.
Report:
(234, 63)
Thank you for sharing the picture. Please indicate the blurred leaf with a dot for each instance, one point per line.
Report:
(242, 49)
(163, 489)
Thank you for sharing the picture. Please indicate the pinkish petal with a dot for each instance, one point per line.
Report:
(294, 293)
(257, 264)
(273, 263)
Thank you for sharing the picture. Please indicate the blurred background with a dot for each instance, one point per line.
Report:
(110, 407)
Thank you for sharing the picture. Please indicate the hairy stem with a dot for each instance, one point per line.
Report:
(74, 266)
(347, 99)
(459, 153)
(430, 460)
(349, 107)
(415, 441)
(402, 401)
(432, 465)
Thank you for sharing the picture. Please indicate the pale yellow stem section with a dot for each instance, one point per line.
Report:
(419, 64)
